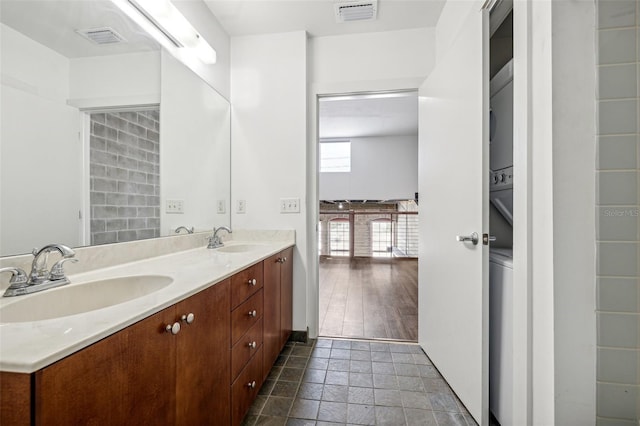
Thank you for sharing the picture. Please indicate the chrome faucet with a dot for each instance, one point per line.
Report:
(214, 240)
(180, 228)
(40, 278)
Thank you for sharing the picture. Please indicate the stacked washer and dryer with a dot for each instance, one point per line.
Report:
(501, 257)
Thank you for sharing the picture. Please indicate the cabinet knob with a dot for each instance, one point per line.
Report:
(284, 259)
(251, 385)
(173, 328)
(252, 345)
(188, 318)
(253, 282)
(253, 313)
(279, 260)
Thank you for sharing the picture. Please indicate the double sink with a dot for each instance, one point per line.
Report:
(82, 297)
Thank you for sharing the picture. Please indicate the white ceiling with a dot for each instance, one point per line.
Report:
(368, 115)
(247, 17)
(53, 24)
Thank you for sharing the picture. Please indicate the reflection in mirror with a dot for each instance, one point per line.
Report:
(90, 149)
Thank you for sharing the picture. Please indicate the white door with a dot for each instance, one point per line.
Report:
(453, 184)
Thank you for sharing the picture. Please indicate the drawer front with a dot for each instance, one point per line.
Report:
(246, 316)
(242, 284)
(243, 390)
(246, 347)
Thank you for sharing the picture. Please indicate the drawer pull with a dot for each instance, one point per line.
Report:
(253, 282)
(252, 345)
(253, 313)
(251, 385)
(188, 318)
(173, 328)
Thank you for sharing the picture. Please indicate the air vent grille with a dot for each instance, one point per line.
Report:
(103, 35)
(356, 11)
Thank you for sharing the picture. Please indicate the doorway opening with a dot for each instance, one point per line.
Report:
(368, 215)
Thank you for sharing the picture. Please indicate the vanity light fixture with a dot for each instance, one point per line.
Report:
(164, 22)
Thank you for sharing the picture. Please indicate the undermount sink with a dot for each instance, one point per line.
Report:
(239, 248)
(75, 299)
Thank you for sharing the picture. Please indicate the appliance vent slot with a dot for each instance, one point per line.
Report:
(103, 35)
(356, 11)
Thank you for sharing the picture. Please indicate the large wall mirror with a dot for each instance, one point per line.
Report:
(104, 137)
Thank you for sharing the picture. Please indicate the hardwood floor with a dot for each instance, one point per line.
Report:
(369, 298)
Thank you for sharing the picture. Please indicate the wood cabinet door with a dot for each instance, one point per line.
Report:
(126, 378)
(286, 296)
(246, 316)
(272, 301)
(203, 358)
(245, 348)
(245, 283)
(15, 399)
(245, 388)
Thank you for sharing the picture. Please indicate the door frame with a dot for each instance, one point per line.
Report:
(317, 91)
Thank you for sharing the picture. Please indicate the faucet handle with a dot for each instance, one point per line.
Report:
(57, 273)
(18, 276)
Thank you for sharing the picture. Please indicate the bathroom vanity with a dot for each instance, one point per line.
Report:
(198, 352)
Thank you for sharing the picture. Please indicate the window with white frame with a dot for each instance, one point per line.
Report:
(339, 237)
(381, 238)
(335, 157)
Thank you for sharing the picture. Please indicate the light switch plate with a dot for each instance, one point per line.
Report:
(174, 206)
(289, 205)
(241, 206)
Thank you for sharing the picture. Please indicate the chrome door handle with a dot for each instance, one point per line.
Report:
(472, 238)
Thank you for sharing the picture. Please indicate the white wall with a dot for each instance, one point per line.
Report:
(372, 61)
(574, 157)
(194, 149)
(368, 62)
(268, 127)
(115, 80)
(554, 242)
(40, 151)
(382, 168)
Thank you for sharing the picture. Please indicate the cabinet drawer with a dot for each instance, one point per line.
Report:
(243, 318)
(243, 390)
(242, 284)
(244, 349)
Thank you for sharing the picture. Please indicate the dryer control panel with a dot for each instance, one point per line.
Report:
(501, 179)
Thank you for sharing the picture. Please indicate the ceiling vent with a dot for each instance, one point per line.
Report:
(103, 35)
(356, 11)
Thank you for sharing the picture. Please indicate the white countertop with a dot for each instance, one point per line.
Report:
(26, 347)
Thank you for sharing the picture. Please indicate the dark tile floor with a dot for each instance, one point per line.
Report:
(340, 382)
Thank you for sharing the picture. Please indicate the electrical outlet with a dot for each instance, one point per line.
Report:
(289, 205)
(175, 206)
(241, 206)
(221, 206)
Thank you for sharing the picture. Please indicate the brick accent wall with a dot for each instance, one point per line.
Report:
(125, 176)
